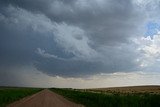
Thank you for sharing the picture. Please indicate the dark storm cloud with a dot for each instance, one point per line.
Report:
(107, 22)
(67, 68)
(91, 37)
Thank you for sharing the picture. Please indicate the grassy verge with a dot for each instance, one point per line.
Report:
(9, 95)
(90, 99)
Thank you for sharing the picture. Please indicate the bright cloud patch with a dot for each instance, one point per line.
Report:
(150, 52)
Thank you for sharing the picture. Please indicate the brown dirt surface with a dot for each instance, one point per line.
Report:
(45, 98)
(129, 89)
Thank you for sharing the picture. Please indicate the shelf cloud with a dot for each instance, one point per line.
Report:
(78, 38)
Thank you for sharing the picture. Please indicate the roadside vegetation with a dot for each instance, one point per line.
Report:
(114, 99)
(9, 95)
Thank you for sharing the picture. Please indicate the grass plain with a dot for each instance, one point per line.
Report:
(113, 97)
(11, 94)
(153, 89)
(136, 96)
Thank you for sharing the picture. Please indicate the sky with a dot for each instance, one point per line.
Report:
(79, 43)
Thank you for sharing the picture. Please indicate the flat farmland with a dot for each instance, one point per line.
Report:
(138, 96)
(11, 94)
(130, 89)
(135, 96)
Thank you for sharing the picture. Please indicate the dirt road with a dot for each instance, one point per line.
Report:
(45, 98)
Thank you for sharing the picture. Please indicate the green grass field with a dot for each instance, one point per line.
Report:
(9, 95)
(90, 99)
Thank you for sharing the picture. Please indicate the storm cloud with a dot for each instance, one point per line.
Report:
(77, 38)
